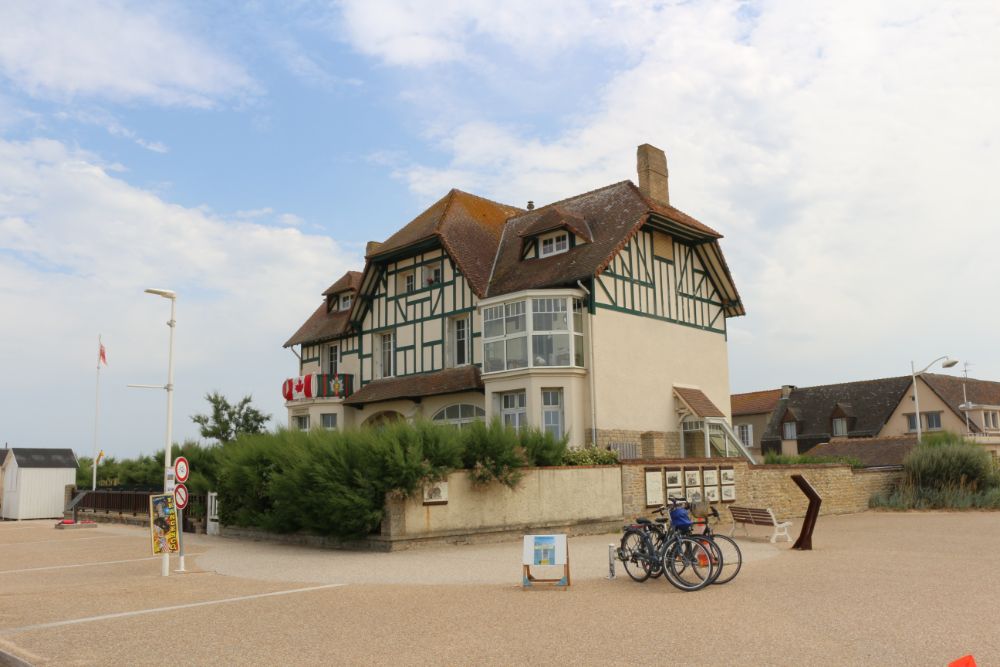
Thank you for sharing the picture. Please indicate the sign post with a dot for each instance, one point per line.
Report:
(182, 471)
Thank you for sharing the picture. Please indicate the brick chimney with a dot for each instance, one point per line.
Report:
(652, 166)
(371, 248)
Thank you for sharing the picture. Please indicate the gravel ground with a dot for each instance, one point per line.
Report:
(878, 589)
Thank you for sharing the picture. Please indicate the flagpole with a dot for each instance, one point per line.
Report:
(97, 411)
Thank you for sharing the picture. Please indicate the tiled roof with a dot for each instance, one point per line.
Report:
(322, 325)
(556, 218)
(754, 402)
(870, 402)
(612, 213)
(349, 281)
(451, 380)
(43, 458)
(700, 404)
(467, 226)
(872, 452)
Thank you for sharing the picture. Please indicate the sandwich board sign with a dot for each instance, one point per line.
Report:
(545, 551)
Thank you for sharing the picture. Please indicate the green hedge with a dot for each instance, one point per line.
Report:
(335, 482)
(944, 471)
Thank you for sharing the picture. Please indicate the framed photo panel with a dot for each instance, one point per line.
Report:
(710, 476)
(694, 494)
(728, 476)
(654, 488)
(692, 477)
(674, 478)
(712, 494)
(728, 493)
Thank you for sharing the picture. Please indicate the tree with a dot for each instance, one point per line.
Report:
(228, 421)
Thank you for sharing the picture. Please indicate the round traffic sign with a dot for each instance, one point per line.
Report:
(181, 469)
(180, 496)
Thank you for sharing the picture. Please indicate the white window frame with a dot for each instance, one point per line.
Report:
(333, 359)
(460, 341)
(386, 356)
(789, 431)
(553, 244)
(409, 282)
(745, 433)
(553, 412)
(433, 275)
(514, 412)
(441, 416)
(323, 421)
(301, 422)
(927, 420)
(842, 421)
(499, 340)
(911, 422)
(345, 301)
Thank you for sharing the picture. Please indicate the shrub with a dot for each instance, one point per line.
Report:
(944, 471)
(492, 452)
(947, 461)
(589, 456)
(541, 447)
(248, 468)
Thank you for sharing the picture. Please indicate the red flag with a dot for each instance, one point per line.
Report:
(102, 355)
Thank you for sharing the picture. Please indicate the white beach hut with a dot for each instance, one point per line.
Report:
(34, 482)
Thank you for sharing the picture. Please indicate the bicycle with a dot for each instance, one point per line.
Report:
(686, 562)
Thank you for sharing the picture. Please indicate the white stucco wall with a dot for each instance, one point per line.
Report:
(637, 361)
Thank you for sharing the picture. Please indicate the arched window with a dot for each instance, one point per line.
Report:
(459, 414)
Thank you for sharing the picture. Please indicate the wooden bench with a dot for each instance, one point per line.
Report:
(759, 517)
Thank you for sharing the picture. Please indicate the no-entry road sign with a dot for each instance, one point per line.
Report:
(181, 469)
(180, 496)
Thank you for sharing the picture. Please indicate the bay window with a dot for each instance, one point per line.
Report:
(555, 338)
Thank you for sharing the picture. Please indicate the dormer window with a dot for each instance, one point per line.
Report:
(345, 302)
(553, 245)
(839, 427)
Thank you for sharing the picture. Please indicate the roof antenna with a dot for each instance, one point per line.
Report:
(531, 205)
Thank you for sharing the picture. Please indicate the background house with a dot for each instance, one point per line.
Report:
(885, 408)
(601, 317)
(752, 412)
(34, 482)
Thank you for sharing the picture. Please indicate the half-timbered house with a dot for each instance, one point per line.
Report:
(601, 317)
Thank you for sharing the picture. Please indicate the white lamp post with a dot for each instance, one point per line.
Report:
(946, 362)
(168, 294)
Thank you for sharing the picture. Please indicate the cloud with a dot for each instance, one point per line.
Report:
(112, 126)
(66, 50)
(848, 152)
(78, 246)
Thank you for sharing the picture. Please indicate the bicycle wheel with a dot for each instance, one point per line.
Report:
(732, 558)
(715, 554)
(634, 556)
(687, 564)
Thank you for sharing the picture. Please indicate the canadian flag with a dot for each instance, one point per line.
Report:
(300, 387)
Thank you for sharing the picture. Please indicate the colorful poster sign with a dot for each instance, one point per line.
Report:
(163, 524)
(544, 550)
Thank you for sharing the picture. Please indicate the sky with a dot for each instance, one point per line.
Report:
(242, 154)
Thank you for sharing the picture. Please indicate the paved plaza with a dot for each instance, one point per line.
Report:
(878, 589)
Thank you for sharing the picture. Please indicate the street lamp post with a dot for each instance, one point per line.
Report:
(168, 294)
(946, 362)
